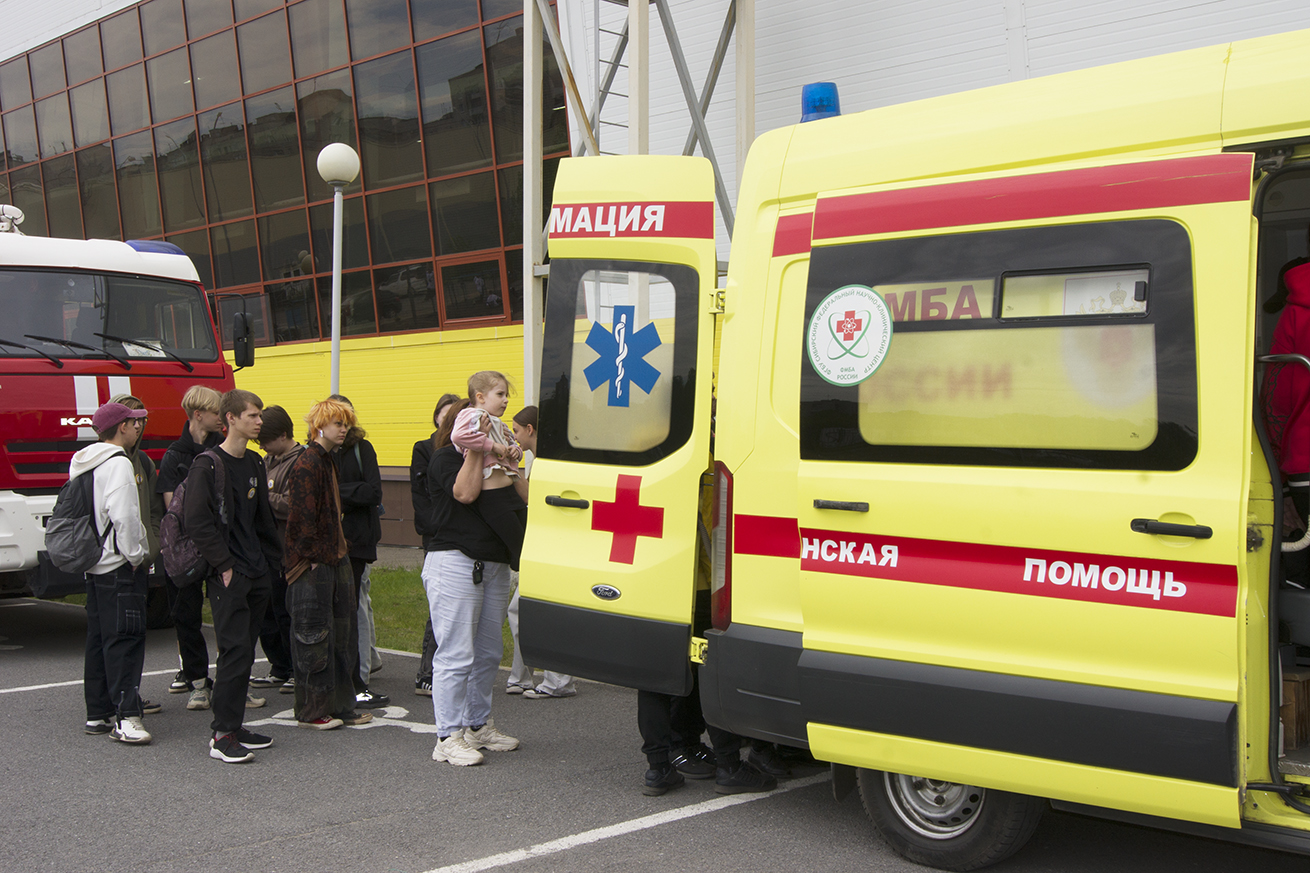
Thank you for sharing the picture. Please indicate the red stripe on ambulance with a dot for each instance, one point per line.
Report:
(688, 219)
(792, 235)
(1180, 586)
(1146, 185)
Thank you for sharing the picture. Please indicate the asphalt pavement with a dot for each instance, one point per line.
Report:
(370, 798)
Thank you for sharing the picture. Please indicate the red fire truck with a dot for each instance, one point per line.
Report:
(82, 321)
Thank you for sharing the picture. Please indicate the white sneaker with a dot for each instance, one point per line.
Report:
(200, 697)
(455, 750)
(131, 730)
(490, 739)
(253, 702)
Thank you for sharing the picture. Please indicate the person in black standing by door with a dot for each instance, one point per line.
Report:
(237, 535)
(418, 491)
(277, 439)
(361, 501)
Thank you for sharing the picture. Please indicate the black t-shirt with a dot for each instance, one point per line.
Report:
(458, 525)
(242, 507)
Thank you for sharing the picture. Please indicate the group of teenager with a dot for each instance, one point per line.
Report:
(281, 566)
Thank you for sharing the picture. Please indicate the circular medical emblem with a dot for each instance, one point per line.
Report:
(848, 335)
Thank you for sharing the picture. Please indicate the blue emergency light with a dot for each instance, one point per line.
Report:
(819, 100)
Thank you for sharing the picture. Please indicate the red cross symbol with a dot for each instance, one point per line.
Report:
(849, 326)
(627, 519)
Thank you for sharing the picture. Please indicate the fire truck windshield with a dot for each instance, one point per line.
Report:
(63, 314)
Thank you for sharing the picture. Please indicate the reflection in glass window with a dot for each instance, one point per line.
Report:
(255, 306)
(236, 255)
(95, 181)
(398, 225)
(47, 66)
(354, 241)
(251, 8)
(223, 159)
(456, 126)
(82, 55)
(63, 206)
(20, 136)
(504, 42)
(90, 112)
(162, 25)
(294, 308)
(496, 8)
(472, 290)
(138, 192)
(214, 70)
(318, 36)
(264, 58)
(25, 187)
(180, 187)
(327, 115)
(206, 16)
(435, 17)
(514, 276)
(128, 106)
(274, 150)
(120, 37)
(54, 126)
(356, 304)
(196, 244)
(284, 243)
(406, 297)
(15, 88)
(464, 214)
(1088, 293)
(376, 26)
(170, 85)
(390, 152)
(511, 198)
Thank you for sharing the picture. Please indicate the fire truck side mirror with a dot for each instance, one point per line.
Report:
(243, 351)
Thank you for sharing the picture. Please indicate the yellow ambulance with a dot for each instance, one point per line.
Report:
(996, 521)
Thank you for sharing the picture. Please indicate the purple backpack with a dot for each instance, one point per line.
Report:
(182, 559)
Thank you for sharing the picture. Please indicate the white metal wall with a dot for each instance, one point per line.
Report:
(28, 24)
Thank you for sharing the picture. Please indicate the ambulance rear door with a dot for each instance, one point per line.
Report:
(608, 574)
(1025, 410)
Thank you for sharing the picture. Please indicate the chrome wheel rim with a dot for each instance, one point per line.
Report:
(934, 809)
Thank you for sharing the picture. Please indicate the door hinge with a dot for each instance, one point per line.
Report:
(699, 649)
(716, 301)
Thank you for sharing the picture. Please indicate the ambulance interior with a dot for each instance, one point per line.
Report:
(1283, 209)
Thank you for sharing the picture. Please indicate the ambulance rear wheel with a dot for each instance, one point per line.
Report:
(945, 824)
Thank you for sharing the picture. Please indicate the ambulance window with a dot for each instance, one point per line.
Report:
(618, 361)
(1075, 372)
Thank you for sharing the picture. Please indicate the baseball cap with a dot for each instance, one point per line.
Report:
(112, 415)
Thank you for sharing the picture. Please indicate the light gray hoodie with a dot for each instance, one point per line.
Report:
(116, 501)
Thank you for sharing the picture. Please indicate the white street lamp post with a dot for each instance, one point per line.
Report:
(338, 164)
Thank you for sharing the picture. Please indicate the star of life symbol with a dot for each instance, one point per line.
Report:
(848, 335)
(622, 356)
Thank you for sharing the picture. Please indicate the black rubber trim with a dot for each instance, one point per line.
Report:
(1134, 731)
(1249, 834)
(749, 684)
(619, 649)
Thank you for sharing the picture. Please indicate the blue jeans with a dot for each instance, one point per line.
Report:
(115, 642)
(466, 621)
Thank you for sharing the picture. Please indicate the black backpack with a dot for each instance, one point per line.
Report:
(182, 559)
(72, 540)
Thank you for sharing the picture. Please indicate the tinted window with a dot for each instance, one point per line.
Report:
(435, 17)
(406, 297)
(214, 70)
(180, 187)
(327, 115)
(63, 207)
(206, 16)
(356, 304)
(376, 26)
(90, 112)
(138, 191)
(398, 225)
(170, 85)
(390, 152)
(196, 244)
(235, 253)
(318, 36)
(95, 178)
(294, 308)
(284, 244)
(47, 70)
(472, 290)
(54, 126)
(354, 241)
(82, 55)
(162, 25)
(226, 167)
(20, 136)
(15, 87)
(25, 187)
(250, 8)
(464, 213)
(265, 61)
(128, 107)
(1069, 378)
(456, 125)
(120, 37)
(274, 150)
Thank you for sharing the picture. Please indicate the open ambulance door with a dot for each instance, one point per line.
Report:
(608, 574)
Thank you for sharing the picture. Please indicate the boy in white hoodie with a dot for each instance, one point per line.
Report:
(115, 589)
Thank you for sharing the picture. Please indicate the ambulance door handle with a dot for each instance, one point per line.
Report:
(843, 505)
(556, 500)
(1164, 528)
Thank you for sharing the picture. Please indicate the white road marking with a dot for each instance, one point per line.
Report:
(504, 859)
(73, 682)
(387, 715)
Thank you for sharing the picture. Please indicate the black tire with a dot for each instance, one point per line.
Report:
(157, 611)
(947, 825)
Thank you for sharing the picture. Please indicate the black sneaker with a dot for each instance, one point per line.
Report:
(180, 684)
(743, 779)
(660, 780)
(765, 758)
(149, 708)
(96, 726)
(369, 700)
(228, 749)
(252, 740)
(423, 687)
(269, 681)
(695, 762)
(289, 687)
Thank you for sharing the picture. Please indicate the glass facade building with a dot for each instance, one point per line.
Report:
(199, 122)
